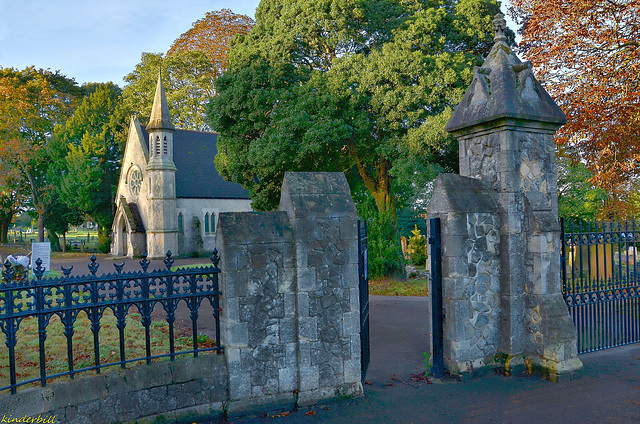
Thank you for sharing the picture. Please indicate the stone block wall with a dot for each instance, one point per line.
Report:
(178, 391)
(290, 303)
(258, 318)
(324, 221)
(470, 268)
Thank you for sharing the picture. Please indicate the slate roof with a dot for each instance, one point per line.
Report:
(197, 177)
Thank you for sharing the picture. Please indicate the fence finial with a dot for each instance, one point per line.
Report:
(39, 270)
(215, 258)
(144, 263)
(93, 266)
(168, 261)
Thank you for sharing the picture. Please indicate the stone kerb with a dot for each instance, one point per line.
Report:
(470, 226)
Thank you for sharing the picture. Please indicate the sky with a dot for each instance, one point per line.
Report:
(98, 40)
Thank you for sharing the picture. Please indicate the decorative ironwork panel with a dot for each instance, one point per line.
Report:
(600, 266)
(120, 293)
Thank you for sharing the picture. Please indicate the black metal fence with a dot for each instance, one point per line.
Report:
(120, 293)
(600, 282)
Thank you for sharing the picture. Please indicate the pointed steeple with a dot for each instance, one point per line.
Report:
(504, 87)
(160, 117)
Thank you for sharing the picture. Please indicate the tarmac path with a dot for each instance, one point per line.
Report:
(608, 391)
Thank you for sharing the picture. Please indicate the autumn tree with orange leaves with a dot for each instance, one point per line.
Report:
(32, 102)
(212, 35)
(587, 55)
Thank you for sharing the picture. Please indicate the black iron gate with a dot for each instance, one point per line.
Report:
(437, 315)
(363, 275)
(600, 283)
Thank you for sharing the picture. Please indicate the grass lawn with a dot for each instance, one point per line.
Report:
(27, 350)
(389, 286)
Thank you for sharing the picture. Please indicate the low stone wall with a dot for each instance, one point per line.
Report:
(175, 391)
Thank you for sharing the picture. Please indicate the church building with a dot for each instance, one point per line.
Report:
(169, 193)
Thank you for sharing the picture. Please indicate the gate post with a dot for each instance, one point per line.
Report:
(435, 241)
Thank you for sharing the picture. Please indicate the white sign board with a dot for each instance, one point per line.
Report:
(42, 251)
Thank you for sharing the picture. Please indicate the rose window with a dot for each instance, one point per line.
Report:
(136, 182)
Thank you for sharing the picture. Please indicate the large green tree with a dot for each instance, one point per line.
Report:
(188, 82)
(362, 86)
(86, 153)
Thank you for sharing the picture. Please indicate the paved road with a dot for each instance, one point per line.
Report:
(607, 392)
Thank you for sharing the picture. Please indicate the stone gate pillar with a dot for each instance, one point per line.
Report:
(505, 125)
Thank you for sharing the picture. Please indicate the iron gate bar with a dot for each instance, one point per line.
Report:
(363, 284)
(67, 296)
(604, 306)
(437, 315)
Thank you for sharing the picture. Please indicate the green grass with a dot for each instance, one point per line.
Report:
(175, 268)
(71, 236)
(389, 286)
(27, 347)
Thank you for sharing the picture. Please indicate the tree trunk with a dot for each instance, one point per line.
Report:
(64, 242)
(378, 184)
(40, 225)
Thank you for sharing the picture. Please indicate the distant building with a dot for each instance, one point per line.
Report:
(170, 194)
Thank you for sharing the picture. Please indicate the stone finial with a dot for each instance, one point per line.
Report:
(499, 27)
(504, 87)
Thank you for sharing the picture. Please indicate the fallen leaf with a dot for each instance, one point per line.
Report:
(310, 413)
(389, 384)
(368, 382)
(394, 378)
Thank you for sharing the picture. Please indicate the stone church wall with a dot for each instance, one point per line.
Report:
(195, 239)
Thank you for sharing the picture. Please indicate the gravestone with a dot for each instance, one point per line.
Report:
(501, 236)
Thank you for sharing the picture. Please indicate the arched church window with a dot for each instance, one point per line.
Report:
(157, 143)
(180, 223)
(206, 222)
(213, 222)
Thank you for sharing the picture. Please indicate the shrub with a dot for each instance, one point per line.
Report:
(417, 248)
(385, 253)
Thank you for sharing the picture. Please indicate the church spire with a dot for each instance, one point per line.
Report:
(160, 118)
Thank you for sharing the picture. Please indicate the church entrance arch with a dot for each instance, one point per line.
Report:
(121, 236)
(124, 242)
